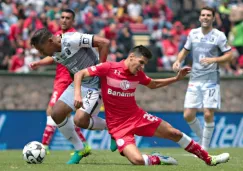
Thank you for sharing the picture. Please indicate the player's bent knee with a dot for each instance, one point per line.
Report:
(188, 117)
(82, 121)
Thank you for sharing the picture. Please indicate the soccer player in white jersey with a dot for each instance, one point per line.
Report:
(75, 51)
(209, 48)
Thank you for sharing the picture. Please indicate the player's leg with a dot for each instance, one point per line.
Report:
(88, 117)
(211, 101)
(193, 101)
(165, 130)
(60, 113)
(193, 121)
(208, 128)
(49, 129)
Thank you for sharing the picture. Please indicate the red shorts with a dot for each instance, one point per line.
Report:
(145, 126)
(58, 88)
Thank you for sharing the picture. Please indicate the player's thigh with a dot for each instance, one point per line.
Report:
(133, 154)
(193, 98)
(146, 125)
(165, 130)
(123, 140)
(211, 95)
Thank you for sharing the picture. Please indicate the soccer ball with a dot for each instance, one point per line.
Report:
(34, 152)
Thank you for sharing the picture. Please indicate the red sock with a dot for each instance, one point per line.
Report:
(196, 149)
(48, 134)
(153, 160)
(81, 136)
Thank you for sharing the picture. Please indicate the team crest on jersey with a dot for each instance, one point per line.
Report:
(125, 85)
(68, 52)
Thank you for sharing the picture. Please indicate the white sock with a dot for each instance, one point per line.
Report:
(184, 141)
(97, 123)
(207, 134)
(68, 130)
(146, 159)
(50, 121)
(196, 127)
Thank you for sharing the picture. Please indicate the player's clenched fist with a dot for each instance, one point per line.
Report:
(176, 66)
(34, 65)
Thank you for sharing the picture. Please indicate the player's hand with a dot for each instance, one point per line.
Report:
(183, 72)
(207, 61)
(176, 66)
(34, 65)
(78, 102)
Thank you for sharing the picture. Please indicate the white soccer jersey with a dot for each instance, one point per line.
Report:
(210, 45)
(78, 53)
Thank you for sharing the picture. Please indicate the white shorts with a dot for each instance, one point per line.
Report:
(91, 99)
(202, 94)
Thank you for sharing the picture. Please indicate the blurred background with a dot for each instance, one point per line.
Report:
(161, 25)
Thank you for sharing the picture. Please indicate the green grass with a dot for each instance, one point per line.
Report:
(102, 160)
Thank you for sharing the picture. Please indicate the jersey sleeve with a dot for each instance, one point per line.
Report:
(99, 69)
(78, 40)
(188, 44)
(223, 43)
(144, 79)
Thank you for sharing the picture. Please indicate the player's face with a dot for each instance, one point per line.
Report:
(137, 64)
(66, 21)
(206, 18)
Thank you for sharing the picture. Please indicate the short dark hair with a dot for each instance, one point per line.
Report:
(141, 51)
(69, 11)
(209, 9)
(40, 36)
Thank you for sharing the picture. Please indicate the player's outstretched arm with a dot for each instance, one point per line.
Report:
(103, 45)
(157, 83)
(181, 56)
(78, 77)
(45, 61)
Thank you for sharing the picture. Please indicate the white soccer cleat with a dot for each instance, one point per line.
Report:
(222, 158)
(166, 160)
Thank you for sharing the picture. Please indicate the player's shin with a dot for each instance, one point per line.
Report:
(196, 127)
(48, 132)
(68, 130)
(192, 147)
(207, 134)
(97, 123)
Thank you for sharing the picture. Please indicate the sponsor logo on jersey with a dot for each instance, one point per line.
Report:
(119, 94)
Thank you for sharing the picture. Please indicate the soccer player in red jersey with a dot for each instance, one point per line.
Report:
(125, 118)
(61, 82)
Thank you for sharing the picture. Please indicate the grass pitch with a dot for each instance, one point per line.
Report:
(104, 160)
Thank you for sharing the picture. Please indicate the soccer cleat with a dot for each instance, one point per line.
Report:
(222, 158)
(165, 160)
(87, 149)
(47, 149)
(113, 146)
(76, 157)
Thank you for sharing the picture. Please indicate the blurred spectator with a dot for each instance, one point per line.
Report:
(134, 9)
(16, 31)
(224, 12)
(237, 31)
(125, 40)
(170, 50)
(17, 61)
(109, 32)
(152, 64)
